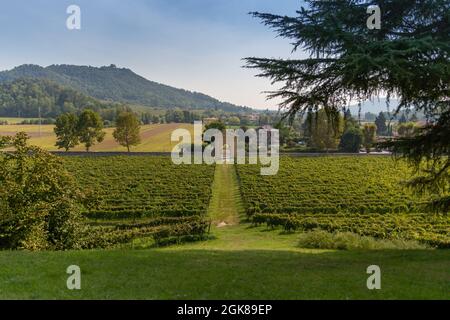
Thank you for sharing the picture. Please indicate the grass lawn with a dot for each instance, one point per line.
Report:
(216, 271)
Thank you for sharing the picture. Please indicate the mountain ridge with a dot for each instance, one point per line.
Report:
(113, 84)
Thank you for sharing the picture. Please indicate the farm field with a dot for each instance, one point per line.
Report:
(240, 260)
(155, 138)
(360, 195)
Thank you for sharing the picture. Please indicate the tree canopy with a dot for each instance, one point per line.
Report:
(127, 132)
(40, 203)
(407, 57)
(66, 130)
(90, 128)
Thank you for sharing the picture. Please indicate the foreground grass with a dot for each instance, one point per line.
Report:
(242, 262)
(188, 273)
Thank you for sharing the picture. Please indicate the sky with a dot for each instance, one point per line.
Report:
(196, 45)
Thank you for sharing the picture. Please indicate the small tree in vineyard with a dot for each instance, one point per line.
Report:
(351, 140)
(370, 135)
(380, 122)
(127, 132)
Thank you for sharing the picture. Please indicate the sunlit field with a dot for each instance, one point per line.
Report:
(155, 138)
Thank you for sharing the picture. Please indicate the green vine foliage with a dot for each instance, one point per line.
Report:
(363, 195)
(142, 197)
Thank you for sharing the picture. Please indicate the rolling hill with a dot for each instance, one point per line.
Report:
(122, 85)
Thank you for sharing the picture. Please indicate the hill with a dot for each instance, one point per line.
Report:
(119, 85)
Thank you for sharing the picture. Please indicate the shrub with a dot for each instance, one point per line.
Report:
(40, 205)
(351, 140)
(320, 239)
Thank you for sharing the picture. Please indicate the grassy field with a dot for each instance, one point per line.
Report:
(155, 138)
(241, 261)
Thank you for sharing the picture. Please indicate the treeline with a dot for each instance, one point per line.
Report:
(33, 98)
(340, 131)
(171, 116)
(402, 116)
(29, 98)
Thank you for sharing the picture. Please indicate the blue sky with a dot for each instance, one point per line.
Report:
(191, 44)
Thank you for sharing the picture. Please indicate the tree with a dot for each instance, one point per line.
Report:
(176, 116)
(219, 125)
(66, 130)
(90, 128)
(407, 58)
(407, 129)
(127, 132)
(234, 121)
(40, 204)
(324, 130)
(349, 121)
(380, 122)
(402, 119)
(155, 120)
(369, 134)
(351, 140)
(287, 134)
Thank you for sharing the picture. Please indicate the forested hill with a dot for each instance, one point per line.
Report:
(24, 97)
(118, 85)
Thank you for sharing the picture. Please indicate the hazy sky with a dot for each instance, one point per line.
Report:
(191, 44)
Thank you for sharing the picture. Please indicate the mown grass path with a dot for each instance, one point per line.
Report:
(226, 207)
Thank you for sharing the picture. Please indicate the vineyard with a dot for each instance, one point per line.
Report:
(135, 197)
(363, 195)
